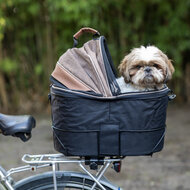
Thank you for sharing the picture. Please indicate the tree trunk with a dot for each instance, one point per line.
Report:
(187, 82)
(3, 93)
(48, 40)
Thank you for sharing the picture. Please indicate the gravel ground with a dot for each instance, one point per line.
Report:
(167, 170)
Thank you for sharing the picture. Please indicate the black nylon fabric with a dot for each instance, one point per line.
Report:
(128, 125)
(109, 66)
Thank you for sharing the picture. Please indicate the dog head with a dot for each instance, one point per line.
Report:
(146, 67)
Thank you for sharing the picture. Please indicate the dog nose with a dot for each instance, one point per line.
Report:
(147, 69)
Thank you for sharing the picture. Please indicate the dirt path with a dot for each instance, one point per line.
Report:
(167, 170)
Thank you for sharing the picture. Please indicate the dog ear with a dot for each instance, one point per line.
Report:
(170, 70)
(123, 69)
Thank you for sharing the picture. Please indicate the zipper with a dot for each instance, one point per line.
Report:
(109, 98)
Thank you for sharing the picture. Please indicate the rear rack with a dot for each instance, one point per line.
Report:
(44, 160)
(60, 158)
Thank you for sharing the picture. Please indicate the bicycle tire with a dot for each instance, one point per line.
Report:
(65, 180)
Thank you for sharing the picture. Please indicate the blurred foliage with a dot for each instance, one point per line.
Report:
(34, 33)
(8, 66)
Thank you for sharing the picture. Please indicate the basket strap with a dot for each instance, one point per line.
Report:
(81, 32)
(85, 30)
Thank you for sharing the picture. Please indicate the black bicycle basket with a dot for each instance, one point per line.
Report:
(92, 119)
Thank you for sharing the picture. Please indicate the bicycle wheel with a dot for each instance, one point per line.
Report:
(65, 181)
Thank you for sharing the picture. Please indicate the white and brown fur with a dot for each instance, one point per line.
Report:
(144, 69)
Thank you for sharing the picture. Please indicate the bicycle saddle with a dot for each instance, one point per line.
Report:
(18, 126)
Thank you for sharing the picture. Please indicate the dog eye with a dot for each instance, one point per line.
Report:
(156, 65)
(138, 66)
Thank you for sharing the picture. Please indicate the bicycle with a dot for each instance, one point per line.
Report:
(21, 126)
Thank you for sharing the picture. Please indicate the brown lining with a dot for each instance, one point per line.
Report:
(66, 79)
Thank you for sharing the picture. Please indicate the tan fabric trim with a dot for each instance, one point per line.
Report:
(66, 79)
(77, 63)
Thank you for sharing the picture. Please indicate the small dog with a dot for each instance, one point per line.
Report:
(144, 69)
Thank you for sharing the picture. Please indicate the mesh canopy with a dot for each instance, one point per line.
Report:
(83, 69)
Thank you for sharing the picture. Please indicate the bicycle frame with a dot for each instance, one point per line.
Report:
(54, 160)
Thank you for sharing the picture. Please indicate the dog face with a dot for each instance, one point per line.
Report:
(146, 67)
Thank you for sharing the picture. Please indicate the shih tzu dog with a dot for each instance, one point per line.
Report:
(144, 69)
